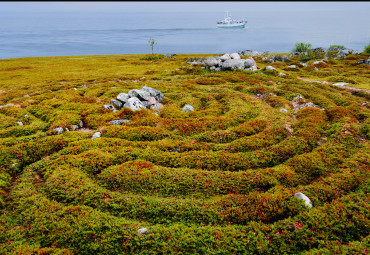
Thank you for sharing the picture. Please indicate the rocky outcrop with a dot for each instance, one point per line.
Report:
(299, 104)
(232, 64)
(251, 53)
(137, 99)
(365, 61)
(225, 62)
(234, 55)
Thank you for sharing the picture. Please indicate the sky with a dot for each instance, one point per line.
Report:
(179, 6)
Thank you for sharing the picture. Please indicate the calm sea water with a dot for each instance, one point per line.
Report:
(93, 33)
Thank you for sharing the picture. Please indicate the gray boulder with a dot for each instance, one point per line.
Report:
(20, 123)
(141, 94)
(315, 63)
(116, 102)
(169, 55)
(341, 54)
(304, 198)
(283, 110)
(250, 53)
(234, 55)
(96, 135)
(109, 107)
(269, 68)
(292, 66)
(147, 104)
(142, 231)
(282, 74)
(158, 107)
(212, 62)
(81, 123)
(225, 57)
(134, 104)
(232, 64)
(59, 130)
(281, 58)
(123, 97)
(249, 63)
(188, 108)
(118, 122)
(318, 50)
(365, 61)
(74, 127)
(154, 93)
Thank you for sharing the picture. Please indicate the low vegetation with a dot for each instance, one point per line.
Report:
(217, 180)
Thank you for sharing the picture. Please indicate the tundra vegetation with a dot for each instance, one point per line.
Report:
(217, 180)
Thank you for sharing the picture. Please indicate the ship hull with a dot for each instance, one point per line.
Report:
(231, 26)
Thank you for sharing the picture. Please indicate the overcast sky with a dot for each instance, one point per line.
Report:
(184, 6)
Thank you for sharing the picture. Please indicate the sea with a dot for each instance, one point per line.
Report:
(39, 34)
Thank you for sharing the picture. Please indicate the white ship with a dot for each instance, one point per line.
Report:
(228, 22)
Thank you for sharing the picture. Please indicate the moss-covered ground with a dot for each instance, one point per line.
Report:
(219, 180)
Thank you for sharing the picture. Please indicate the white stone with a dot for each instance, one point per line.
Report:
(225, 57)
(81, 123)
(188, 108)
(292, 66)
(123, 97)
(303, 197)
(234, 55)
(96, 135)
(109, 107)
(20, 123)
(340, 84)
(134, 104)
(142, 231)
(282, 74)
(59, 130)
(283, 110)
(270, 68)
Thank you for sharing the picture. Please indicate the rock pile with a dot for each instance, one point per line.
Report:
(278, 58)
(251, 53)
(225, 62)
(297, 103)
(135, 99)
(365, 61)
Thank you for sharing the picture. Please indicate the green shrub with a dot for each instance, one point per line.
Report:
(302, 47)
(367, 49)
